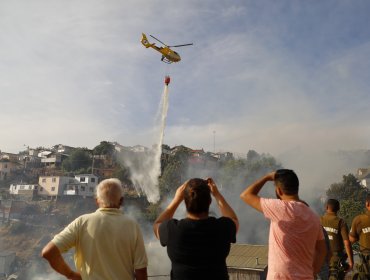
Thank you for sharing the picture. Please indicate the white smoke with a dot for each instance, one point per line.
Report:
(146, 168)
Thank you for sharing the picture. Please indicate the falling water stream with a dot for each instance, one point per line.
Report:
(145, 168)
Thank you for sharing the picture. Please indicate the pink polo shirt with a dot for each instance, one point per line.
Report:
(294, 230)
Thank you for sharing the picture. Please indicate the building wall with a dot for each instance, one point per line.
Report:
(6, 261)
(244, 274)
(15, 189)
(6, 167)
(365, 182)
(53, 185)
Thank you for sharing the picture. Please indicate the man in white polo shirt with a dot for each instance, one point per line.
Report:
(108, 245)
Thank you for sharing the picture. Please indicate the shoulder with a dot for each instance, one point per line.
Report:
(226, 222)
(270, 202)
(171, 223)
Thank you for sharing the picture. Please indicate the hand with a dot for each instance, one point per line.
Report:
(350, 266)
(271, 176)
(212, 186)
(179, 195)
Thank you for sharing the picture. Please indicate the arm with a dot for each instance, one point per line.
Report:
(320, 254)
(141, 274)
(224, 207)
(250, 194)
(353, 236)
(352, 239)
(348, 247)
(52, 254)
(170, 210)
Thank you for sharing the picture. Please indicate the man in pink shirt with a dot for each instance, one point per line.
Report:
(296, 242)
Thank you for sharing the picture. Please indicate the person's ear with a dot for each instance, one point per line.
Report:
(279, 191)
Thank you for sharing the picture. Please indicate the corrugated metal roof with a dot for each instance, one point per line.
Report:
(247, 256)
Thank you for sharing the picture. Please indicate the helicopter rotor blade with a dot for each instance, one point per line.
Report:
(181, 45)
(157, 40)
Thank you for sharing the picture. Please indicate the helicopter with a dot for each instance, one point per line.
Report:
(168, 55)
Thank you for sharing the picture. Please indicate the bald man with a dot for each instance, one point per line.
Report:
(108, 245)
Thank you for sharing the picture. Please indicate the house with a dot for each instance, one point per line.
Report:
(52, 159)
(63, 149)
(104, 172)
(139, 149)
(53, 186)
(363, 175)
(7, 259)
(9, 156)
(84, 185)
(247, 262)
(24, 191)
(7, 167)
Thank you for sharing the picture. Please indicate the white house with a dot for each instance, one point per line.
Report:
(17, 189)
(84, 185)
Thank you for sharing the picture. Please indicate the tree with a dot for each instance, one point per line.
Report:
(79, 160)
(351, 196)
(122, 173)
(104, 148)
(349, 209)
(348, 189)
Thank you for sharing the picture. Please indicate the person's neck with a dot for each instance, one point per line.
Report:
(199, 216)
(294, 197)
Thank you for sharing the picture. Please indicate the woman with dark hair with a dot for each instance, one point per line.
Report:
(199, 244)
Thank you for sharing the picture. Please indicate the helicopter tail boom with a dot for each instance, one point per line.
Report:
(145, 42)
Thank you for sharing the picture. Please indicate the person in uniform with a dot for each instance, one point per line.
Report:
(337, 231)
(360, 229)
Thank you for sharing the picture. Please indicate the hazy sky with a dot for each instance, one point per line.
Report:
(273, 76)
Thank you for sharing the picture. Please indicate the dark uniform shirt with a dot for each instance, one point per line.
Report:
(337, 231)
(361, 230)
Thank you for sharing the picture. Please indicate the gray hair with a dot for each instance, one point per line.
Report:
(109, 192)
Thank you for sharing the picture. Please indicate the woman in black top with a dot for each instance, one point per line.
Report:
(199, 244)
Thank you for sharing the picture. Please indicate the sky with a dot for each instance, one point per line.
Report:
(273, 76)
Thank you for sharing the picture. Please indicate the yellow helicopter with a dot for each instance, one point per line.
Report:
(168, 55)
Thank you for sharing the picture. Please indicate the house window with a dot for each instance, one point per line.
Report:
(82, 179)
(43, 180)
(52, 189)
(83, 188)
(5, 166)
(22, 187)
(54, 180)
(92, 180)
(91, 189)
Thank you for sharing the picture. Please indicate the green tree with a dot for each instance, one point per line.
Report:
(79, 160)
(349, 209)
(351, 196)
(104, 148)
(348, 189)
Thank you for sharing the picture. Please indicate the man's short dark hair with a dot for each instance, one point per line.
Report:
(333, 204)
(197, 196)
(287, 180)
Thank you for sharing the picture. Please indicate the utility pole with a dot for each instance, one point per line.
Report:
(214, 141)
